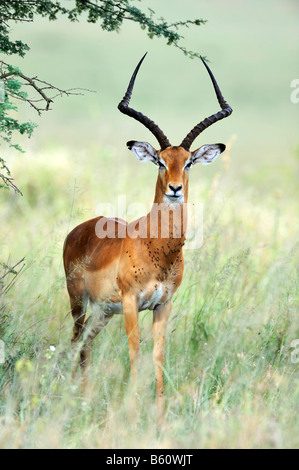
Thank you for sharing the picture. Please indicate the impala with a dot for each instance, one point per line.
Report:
(127, 273)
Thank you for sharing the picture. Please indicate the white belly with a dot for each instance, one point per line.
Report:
(148, 299)
(149, 302)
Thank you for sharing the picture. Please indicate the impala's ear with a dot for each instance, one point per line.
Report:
(207, 153)
(143, 151)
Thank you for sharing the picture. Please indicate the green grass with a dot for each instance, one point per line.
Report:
(230, 381)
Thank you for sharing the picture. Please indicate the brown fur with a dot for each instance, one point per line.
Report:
(120, 270)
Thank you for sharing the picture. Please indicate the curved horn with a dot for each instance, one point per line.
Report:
(226, 110)
(151, 125)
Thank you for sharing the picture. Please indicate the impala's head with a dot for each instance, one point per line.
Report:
(174, 163)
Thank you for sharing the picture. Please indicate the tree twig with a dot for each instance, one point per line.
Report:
(35, 83)
(9, 182)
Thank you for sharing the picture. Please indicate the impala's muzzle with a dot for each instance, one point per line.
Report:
(174, 192)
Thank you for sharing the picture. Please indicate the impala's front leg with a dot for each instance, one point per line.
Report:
(161, 315)
(130, 308)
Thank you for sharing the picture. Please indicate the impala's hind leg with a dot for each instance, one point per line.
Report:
(91, 328)
(78, 300)
(78, 306)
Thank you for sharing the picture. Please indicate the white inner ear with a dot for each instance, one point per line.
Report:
(206, 154)
(145, 152)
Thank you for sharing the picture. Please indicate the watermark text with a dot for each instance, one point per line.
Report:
(162, 220)
(295, 93)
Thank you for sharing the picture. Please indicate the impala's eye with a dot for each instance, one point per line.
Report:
(188, 166)
(161, 166)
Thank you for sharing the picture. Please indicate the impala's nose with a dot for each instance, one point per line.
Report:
(175, 189)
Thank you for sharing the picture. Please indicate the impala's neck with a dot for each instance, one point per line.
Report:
(166, 223)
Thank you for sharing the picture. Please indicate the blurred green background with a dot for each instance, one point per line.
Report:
(253, 49)
(234, 310)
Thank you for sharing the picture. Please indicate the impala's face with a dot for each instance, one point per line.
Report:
(174, 166)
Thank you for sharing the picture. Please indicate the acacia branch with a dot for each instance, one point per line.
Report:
(44, 94)
(36, 84)
(154, 28)
(10, 18)
(9, 183)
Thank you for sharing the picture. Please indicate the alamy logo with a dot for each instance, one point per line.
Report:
(295, 94)
(162, 221)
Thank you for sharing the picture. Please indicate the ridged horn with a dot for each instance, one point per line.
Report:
(226, 110)
(151, 125)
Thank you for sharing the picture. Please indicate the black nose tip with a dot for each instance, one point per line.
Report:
(175, 189)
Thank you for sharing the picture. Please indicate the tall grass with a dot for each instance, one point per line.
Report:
(230, 381)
